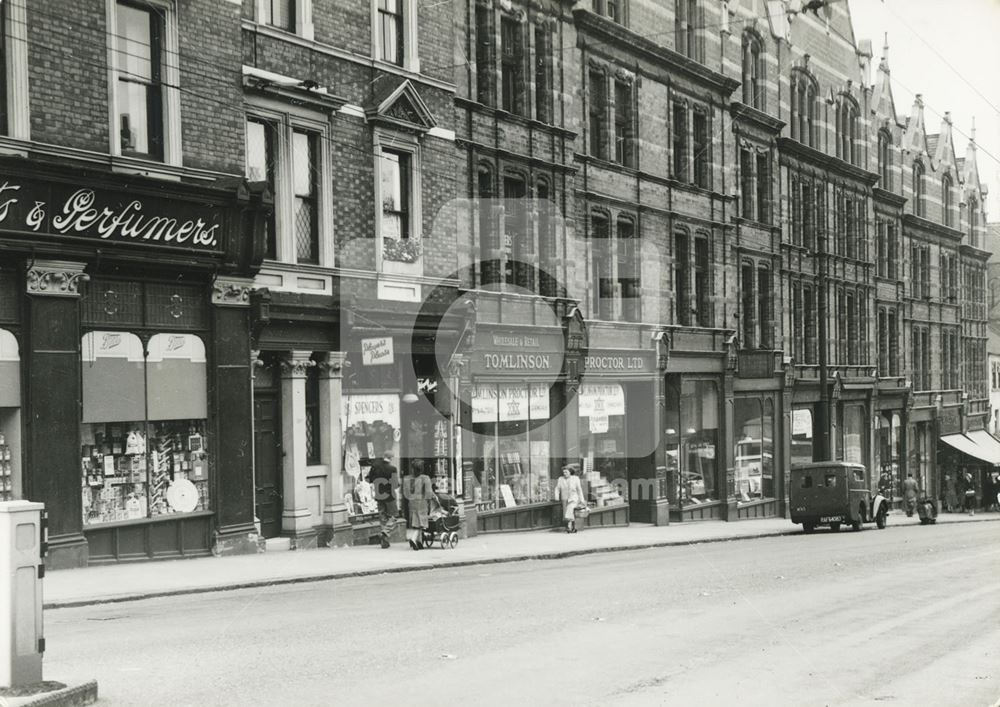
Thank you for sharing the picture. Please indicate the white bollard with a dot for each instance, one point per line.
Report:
(22, 546)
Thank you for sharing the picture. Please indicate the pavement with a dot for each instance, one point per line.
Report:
(143, 580)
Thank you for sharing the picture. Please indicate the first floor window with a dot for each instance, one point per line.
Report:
(305, 204)
(138, 66)
(279, 13)
(616, 267)
(390, 26)
(261, 161)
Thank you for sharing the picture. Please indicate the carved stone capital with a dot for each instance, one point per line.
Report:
(231, 291)
(334, 365)
(458, 366)
(296, 364)
(55, 277)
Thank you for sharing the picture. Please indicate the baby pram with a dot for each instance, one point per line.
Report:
(443, 522)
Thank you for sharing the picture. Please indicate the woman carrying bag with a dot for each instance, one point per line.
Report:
(570, 492)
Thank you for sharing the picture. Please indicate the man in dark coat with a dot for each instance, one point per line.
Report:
(384, 478)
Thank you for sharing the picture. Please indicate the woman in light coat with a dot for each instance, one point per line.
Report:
(570, 492)
(418, 497)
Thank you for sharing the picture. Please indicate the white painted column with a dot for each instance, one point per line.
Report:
(331, 446)
(295, 515)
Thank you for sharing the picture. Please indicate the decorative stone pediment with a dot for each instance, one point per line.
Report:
(400, 107)
(232, 291)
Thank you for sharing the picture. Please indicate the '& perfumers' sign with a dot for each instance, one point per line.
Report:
(67, 211)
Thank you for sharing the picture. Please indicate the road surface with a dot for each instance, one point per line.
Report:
(904, 616)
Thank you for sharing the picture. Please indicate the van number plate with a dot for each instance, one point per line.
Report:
(831, 519)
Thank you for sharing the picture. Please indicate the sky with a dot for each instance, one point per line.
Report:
(966, 81)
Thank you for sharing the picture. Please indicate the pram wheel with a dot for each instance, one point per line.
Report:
(444, 541)
(452, 540)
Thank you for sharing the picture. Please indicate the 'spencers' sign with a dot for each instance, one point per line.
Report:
(81, 213)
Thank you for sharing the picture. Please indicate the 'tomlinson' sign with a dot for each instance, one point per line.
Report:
(82, 213)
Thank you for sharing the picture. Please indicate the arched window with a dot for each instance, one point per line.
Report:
(753, 71)
(803, 108)
(946, 200)
(918, 189)
(885, 159)
(973, 222)
(847, 129)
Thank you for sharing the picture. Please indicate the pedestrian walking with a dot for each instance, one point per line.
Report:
(969, 492)
(570, 492)
(990, 491)
(418, 495)
(950, 494)
(910, 490)
(384, 479)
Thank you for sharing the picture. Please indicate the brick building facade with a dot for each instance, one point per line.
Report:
(681, 244)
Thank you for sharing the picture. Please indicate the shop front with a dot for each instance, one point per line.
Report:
(517, 443)
(123, 316)
(758, 457)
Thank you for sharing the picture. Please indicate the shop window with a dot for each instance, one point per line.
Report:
(485, 54)
(10, 417)
(543, 74)
(371, 426)
(512, 82)
(624, 124)
(138, 69)
(603, 440)
(699, 430)
(802, 436)
(753, 449)
(853, 430)
(144, 423)
(597, 113)
(512, 447)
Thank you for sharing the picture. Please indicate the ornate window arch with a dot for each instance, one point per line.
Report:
(885, 158)
(847, 128)
(805, 91)
(947, 199)
(753, 70)
(918, 188)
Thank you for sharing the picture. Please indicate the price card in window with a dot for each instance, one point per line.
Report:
(598, 423)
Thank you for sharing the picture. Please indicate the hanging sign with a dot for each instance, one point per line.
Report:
(377, 352)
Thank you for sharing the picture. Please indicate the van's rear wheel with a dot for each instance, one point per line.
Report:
(835, 527)
(856, 524)
(808, 527)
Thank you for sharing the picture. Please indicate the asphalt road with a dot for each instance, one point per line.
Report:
(904, 616)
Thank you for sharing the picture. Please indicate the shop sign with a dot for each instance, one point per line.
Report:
(107, 215)
(377, 352)
(516, 352)
(597, 399)
(597, 362)
(506, 403)
(380, 407)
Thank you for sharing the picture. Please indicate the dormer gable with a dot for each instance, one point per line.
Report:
(915, 134)
(944, 152)
(399, 106)
(883, 104)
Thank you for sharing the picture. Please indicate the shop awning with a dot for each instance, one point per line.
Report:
(967, 446)
(987, 441)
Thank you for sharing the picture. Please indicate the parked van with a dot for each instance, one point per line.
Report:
(833, 493)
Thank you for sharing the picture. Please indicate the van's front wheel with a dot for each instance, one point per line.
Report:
(880, 519)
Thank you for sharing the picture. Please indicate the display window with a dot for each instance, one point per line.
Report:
(603, 442)
(802, 436)
(370, 424)
(691, 439)
(10, 417)
(853, 429)
(753, 454)
(512, 454)
(144, 426)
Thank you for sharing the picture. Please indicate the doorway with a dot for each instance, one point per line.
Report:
(267, 461)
